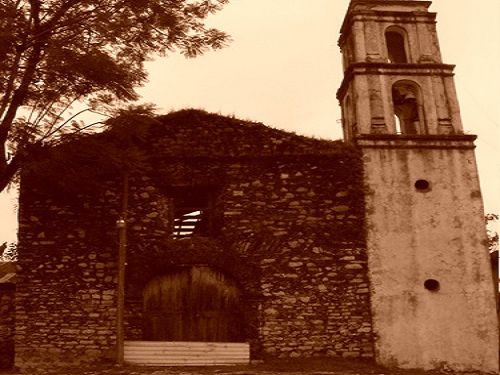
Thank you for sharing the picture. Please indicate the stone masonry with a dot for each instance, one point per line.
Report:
(287, 226)
(7, 293)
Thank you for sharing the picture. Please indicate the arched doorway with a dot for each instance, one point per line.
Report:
(192, 304)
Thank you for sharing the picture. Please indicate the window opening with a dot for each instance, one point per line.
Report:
(186, 224)
(192, 211)
(406, 108)
(432, 285)
(395, 42)
(422, 185)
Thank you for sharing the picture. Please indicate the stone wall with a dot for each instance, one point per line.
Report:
(313, 287)
(65, 297)
(292, 236)
(7, 317)
(288, 216)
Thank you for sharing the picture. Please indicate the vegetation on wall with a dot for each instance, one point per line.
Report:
(138, 142)
(190, 251)
(81, 163)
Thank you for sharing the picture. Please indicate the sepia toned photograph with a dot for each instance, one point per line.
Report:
(249, 187)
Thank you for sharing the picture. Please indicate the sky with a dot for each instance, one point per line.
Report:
(283, 69)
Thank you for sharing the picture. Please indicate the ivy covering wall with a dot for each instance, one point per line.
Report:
(286, 225)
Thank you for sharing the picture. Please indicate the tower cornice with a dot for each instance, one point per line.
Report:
(399, 8)
(383, 16)
(438, 141)
(383, 68)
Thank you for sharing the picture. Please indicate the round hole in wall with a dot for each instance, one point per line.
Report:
(422, 185)
(431, 285)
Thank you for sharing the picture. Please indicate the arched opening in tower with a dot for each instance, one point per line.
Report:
(395, 42)
(406, 108)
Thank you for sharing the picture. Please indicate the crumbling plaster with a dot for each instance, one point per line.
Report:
(436, 233)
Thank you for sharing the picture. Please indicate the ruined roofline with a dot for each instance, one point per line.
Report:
(171, 125)
(189, 136)
(234, 121)
(261, 139)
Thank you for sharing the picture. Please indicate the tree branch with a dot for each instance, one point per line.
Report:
(10, 85)
(47, 135)
(48, 106)
(59, 115)
(22, 91)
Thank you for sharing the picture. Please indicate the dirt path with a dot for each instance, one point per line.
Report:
(327, 366)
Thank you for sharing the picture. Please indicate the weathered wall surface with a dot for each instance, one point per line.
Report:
(436, 233)
(65, 297)
(370, 75)
(7, 317)
(292, 236)
(289, 231)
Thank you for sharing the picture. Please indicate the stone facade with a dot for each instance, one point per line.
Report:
(286, 218)
(65, 300)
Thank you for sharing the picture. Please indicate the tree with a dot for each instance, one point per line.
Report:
(54, 53)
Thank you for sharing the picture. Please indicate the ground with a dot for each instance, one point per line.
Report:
(327, 366)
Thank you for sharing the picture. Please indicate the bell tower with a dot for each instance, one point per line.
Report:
(433, 300)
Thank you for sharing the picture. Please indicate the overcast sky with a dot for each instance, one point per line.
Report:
(284, 66)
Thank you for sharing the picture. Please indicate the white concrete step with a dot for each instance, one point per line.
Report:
(180, 353)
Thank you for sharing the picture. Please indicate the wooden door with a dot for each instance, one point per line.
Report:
(195, 304)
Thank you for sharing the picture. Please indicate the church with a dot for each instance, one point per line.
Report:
(235, 242)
